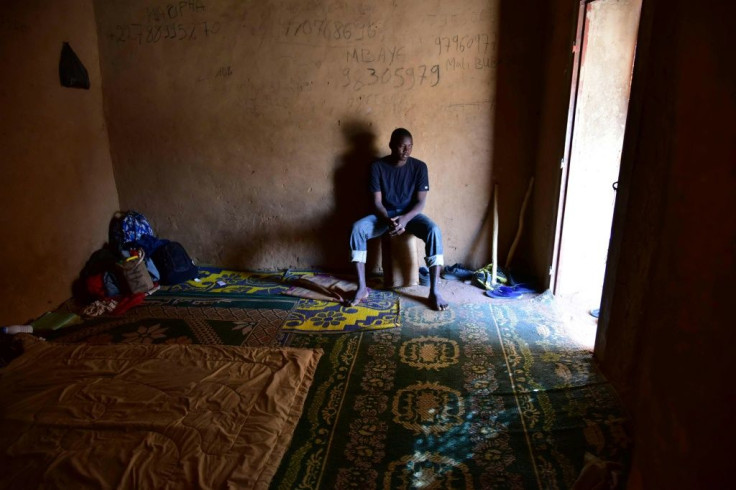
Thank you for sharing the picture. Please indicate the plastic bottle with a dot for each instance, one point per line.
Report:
(14, 329)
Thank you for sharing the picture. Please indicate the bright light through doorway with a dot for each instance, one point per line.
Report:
(601, 104)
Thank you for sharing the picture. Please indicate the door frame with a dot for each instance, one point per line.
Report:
(577, 47)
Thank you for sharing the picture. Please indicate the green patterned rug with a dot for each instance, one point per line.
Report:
(205, 319)
(234, 308)
(489, 395)
(379, 311)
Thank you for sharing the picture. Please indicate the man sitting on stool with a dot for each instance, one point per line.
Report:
(399, 185)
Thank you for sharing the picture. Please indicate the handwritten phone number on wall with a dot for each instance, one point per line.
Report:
(163, 12)
(331, 30)
(153, 33)
(478, 43)
(406, 78)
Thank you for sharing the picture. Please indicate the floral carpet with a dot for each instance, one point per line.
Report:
(487, 395)
(379, 311)
(232, 308)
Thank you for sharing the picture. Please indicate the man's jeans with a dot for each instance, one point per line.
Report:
(420, 226)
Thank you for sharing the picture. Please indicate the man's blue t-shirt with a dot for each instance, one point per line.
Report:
(399, 185)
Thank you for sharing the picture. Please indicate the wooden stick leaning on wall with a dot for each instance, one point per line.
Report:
(521, 224)
(494, 245)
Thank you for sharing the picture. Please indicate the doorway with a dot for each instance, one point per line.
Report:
(604, 60)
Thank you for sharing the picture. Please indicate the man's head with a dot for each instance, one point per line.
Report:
(401, 144)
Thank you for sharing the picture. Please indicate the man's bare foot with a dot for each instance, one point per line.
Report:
(360, 295)
(437, 302)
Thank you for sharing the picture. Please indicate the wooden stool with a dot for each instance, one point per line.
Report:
(399, 260)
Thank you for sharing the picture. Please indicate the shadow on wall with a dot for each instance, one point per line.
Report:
(352, 200)
(329, 234)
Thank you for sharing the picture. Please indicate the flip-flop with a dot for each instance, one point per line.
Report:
(503, 292)
(523, 289)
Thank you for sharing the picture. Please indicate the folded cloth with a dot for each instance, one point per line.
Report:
(128, 302)
(100, 307)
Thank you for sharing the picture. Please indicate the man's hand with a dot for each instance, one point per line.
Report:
(396, 226)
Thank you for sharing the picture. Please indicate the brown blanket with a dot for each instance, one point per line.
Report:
(149, 416)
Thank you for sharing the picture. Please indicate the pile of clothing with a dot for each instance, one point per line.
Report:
(131, 265)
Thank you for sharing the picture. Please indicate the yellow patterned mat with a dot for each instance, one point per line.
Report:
(377, 312)
(214, 280)
(317, 313)
(380, 311)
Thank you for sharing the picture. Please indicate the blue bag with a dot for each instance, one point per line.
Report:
(127, 229)
(174, 264)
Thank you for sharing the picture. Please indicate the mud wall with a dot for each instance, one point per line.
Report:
(57, 190)
(244, 130)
